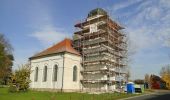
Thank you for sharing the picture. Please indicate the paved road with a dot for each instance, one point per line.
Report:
(163, 95)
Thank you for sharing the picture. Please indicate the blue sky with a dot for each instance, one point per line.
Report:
(33, 25)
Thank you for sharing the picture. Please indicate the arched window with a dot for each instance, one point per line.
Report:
(55, 72)
(75, 73)
(45, 74)
(36, 74)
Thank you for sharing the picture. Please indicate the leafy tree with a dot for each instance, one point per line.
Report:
(6, 59)
(139, 81)
(20, 78)
(165, 74)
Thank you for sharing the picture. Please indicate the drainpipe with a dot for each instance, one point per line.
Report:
(63, 74)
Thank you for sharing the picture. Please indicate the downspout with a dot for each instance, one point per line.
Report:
(63, 74)
(31, 73)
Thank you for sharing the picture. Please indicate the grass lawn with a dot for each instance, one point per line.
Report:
(35, 95)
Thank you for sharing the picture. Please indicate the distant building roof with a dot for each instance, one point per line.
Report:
(63, 46)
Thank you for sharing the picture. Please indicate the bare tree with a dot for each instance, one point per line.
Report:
(131, 51)
(147, 78)
(128, 75)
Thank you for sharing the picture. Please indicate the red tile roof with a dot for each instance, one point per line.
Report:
(63, 46)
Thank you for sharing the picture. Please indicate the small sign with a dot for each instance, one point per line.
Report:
(93, 28)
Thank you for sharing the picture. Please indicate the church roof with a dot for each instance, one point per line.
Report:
(63, 46)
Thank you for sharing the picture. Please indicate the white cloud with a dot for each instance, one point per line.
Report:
(164, 35)
(141, 39)
(123, 5)
(165, 3)
(42, 23)
(147, 23)
(49, 35)
(42, 28)
(148, 28)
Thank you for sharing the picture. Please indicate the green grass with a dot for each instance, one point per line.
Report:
(35, 95)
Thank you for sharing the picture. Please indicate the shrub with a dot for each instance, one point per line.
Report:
(20, 79)
(12, 89)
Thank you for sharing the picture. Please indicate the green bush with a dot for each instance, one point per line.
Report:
(12, 89)
(20, 79)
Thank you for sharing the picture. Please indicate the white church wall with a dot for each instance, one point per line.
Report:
(71, 61)
(49, 62)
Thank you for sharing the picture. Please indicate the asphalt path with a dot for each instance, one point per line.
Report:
(157, 95)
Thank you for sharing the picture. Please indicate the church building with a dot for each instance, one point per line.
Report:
(94, 60)
(56, 68)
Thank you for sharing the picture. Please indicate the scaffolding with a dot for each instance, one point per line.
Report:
(103, 47)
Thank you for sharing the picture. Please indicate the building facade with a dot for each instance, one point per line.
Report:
(95, 60)
(57, 68)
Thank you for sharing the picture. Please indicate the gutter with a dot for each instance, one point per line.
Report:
(63, 73)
